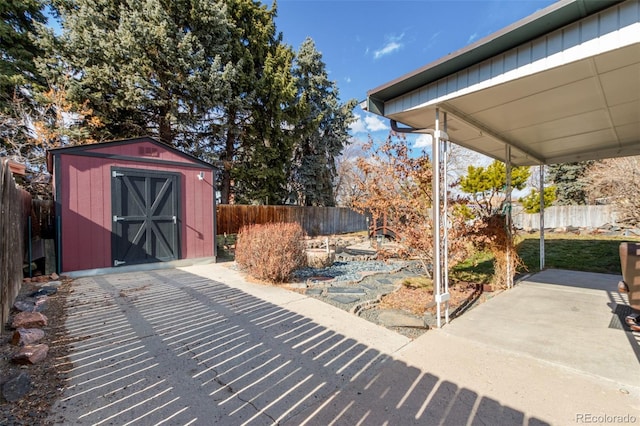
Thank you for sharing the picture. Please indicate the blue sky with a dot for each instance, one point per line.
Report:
(366, 43)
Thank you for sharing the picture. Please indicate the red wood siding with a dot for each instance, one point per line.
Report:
(85, 203)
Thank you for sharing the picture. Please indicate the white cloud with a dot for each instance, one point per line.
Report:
(368, 124)
(423, 141)
(432, 41)
(392, 44)
(472, 38)
(358, 126)
(390, 47)
(375, 124)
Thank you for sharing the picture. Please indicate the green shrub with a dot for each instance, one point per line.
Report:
(271, 252)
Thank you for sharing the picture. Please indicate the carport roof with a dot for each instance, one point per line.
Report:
(560, 85)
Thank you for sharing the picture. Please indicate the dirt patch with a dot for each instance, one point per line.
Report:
(47, 380)
(414, 300)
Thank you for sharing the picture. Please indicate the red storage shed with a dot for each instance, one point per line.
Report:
(131, 202)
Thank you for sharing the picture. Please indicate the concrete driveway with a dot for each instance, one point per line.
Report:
(201, 346)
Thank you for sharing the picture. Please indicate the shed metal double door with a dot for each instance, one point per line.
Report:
(145, 216)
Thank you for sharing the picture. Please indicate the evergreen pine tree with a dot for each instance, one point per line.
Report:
(17, 48)
(322, 130)
(253, 142)
(146, 67)
(569, 181)
(487, 185)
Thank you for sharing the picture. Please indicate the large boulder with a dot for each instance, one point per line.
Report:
(30, 354)
(29, 320)
(26, 336)
(16, 387)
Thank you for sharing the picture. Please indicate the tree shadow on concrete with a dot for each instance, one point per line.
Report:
(175, 347)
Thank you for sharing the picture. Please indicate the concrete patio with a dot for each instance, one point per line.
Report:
(201, 345)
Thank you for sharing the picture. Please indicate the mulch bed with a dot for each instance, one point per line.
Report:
(414, 300)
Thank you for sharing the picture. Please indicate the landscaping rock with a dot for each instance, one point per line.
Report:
(345, 290)
(40, 303)
(29, 320)
(344, 299)
(398, 318)
(31, 304)
(26, 336)
(44, 291)
(31, 354)
(319, 258)
(16, 387)
(25, 305)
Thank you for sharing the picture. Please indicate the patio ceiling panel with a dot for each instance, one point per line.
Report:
(568, 95)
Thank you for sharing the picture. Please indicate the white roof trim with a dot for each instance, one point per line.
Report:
(606, 31)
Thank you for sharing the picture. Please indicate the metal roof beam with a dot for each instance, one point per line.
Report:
(487, 131)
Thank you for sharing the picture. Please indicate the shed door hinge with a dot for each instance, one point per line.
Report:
(117, 218)
(116, 174)
(118, 262)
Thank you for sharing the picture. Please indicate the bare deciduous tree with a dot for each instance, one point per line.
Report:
(346, 187)
(38, 122)
(397, 185)
(618, 181)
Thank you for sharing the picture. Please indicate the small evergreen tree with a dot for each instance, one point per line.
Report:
(487, 185)
(531, 202)
(492, 231)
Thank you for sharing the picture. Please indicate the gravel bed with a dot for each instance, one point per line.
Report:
(347, 271)
(375, 278)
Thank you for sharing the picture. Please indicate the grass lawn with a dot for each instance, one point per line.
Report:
(589, 253)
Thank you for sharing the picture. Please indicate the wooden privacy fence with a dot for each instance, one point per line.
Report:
(15, 207)
(314, 220)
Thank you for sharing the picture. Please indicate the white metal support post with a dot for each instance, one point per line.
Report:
(440, 296)
(507, 215)
(541, 217)
(445, 219)
(435, 164)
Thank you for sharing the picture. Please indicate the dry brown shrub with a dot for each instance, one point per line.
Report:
(491, 233)
(271, 252)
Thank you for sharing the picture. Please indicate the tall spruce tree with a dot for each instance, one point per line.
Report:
(17, 48)
(569, 180)
(322, 130)
(253, 130)
(145, 67)
(261, 172)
